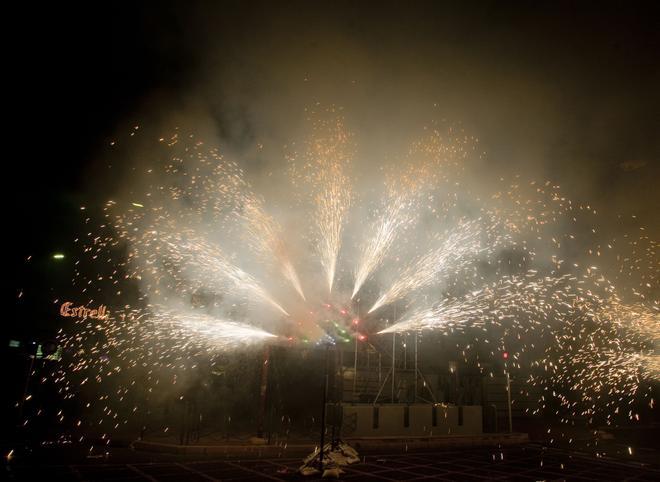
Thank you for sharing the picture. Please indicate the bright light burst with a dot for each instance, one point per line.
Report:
(218, 334)
(398, 213)
(453, 253)
(323, 169)
(199, 264)
(265, 234)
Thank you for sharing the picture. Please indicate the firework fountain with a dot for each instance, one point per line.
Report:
(197, 261)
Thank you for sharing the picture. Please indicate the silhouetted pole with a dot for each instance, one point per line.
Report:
(325, 397)
(416, 369)
(393, 354)
(508, 398)
(262, 392)
(357, 327)
(393, 362)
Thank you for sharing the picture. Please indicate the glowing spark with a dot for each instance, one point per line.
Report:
(217, 333)
(385, 230)
(266, 235)
(453, 253)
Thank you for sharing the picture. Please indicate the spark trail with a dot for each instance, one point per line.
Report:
(386, 229)
(520, 267)
(214, 267)
(513, 301)
(216, 333)
(266, 235)
(453, 254)
(322, 172)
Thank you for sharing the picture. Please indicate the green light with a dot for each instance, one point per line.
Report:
(58, 256)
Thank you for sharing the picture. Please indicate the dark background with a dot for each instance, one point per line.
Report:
(566, 90)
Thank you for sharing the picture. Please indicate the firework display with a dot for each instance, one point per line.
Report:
(193, 262)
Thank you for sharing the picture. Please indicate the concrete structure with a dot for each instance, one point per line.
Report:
(414, 420)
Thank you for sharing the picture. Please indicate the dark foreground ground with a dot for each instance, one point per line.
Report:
(526, 462)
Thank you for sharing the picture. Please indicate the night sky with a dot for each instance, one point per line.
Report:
(472, 162)
(566, 90)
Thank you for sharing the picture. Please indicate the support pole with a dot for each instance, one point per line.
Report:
(333, 399)
(416, 369)
(508, 399)
(405, 353)
(325, 397)
(393, 355)
(355, 398)
(393, 363)
(428, 387)
(382, 386)
(380, 368)
(262, 392)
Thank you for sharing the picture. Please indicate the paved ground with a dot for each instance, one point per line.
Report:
(530, 462)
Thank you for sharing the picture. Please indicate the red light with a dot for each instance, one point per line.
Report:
(362, 337)
(356, 321)
(505, 355)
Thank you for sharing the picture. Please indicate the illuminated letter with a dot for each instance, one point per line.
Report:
(64, 310)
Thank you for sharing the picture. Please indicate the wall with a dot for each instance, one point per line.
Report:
(389, 420)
